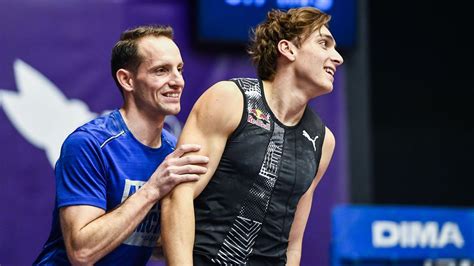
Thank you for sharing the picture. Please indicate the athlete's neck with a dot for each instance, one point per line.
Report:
(145, 128)
(286, 102)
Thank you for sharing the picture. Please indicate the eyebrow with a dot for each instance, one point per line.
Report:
(164, 64)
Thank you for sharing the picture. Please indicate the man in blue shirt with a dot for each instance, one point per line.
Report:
(113, 170)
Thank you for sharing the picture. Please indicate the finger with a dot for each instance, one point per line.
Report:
(190, 169)
(184, 148)
(187, 178)
(190, 159)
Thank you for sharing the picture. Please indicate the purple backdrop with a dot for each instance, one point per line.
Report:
(54, 65)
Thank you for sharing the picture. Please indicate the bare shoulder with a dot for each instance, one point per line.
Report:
(327, 152)
(219, 108)
(329, 139)
(222, 93)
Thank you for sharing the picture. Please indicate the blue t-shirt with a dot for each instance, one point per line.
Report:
(102, 164)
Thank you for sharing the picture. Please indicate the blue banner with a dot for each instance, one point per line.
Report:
(396, 233)
(230, 21)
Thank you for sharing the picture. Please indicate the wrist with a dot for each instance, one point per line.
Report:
(150, 193)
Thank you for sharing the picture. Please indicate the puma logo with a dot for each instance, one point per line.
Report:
(306, 135)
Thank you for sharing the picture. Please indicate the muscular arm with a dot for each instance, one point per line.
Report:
(214, 117)
(303, 209)
(90, 233)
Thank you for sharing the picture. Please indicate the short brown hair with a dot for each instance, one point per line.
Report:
(125, 52)
(294, 25)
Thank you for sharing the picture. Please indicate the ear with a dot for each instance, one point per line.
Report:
(287, 49)
(125, 78)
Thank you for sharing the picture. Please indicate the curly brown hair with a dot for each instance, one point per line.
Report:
(294, 25)
(125, 52)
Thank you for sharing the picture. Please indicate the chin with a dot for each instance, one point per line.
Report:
(174, 111)
(328, 88)
(169, 111)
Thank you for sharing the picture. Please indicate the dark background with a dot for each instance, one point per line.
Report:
(421, 98)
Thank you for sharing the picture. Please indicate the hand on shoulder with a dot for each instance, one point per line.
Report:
(176, 169)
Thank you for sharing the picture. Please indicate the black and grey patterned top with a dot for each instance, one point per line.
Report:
(244, 215)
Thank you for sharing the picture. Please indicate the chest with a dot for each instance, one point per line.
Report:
(127, 167)
(283, 154)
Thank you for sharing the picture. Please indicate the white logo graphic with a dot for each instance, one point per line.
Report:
(40, 112)
(146, 233)
(310, 139)
(245, 2)
(413, 234)
(324, 5)
(43, 115)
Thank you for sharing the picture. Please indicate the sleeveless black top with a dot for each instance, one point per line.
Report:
(244, 215)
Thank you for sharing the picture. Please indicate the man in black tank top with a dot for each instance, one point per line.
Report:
(267, 151)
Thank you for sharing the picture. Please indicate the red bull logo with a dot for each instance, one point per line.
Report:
(258, 114)
(259, 118)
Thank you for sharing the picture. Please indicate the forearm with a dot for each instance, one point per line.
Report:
(94, 240)
(177, 223)
(293, 257)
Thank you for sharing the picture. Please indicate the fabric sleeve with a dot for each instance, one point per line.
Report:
(80, 173)
(169, 138)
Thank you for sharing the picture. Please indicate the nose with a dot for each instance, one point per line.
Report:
(337, 58)
(177, 79)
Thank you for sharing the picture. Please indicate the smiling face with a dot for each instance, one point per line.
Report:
(317, 60)
(158, 81)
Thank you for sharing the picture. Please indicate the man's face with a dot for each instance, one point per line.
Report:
(158, 81)
(317, 61)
